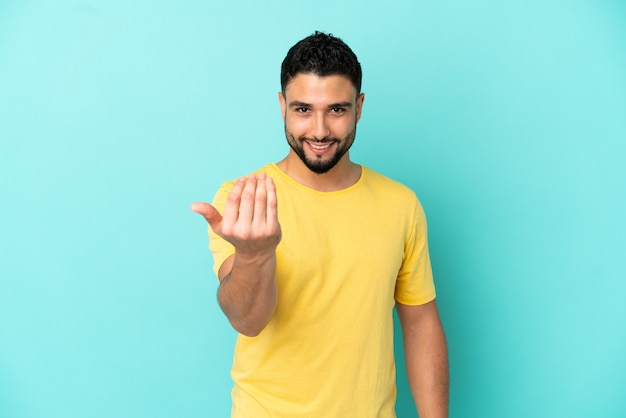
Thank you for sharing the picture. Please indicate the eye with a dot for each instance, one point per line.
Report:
(302, 109)
(337, 110)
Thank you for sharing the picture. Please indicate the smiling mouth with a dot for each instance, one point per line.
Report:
(319, 146)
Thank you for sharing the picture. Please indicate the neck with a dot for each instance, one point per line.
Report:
(341, 176)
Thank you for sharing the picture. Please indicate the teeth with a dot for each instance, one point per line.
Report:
(320, 147)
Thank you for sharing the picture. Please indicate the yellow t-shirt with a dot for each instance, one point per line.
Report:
(343, 260)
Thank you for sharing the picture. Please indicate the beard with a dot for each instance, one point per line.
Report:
(321, 163)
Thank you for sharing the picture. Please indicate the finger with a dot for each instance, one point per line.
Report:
(260, 201)
(231, 210)
(209, 212)
(272, 201)
(246, 206)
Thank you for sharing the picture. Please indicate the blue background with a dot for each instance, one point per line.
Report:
(507, 118)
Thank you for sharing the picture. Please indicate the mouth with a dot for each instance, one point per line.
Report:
(319, 147)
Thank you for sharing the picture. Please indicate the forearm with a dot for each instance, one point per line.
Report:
(248, 294)
(426, 358)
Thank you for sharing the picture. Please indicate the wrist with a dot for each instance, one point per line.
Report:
(255, 257)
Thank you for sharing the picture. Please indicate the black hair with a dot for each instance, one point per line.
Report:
(323, 55)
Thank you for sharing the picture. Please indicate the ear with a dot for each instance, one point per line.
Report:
(283, 104)
(359, 105)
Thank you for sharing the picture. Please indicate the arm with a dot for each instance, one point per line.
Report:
(248, 291)
(426, 358)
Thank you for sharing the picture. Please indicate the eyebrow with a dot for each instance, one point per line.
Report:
(296, 103)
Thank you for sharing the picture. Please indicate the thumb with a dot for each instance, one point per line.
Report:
(209, 213)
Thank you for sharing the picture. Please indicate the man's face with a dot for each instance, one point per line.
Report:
(320, 115)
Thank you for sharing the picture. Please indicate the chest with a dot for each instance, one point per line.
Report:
(341, 244)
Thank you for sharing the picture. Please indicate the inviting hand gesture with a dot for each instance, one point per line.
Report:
(250, 220)
(248, 291)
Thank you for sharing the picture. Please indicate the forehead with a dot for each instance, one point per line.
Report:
(311, 88)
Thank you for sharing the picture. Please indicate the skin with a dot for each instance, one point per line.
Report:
(317, 108)
(426, 358)
(317, 111)
(247, 293)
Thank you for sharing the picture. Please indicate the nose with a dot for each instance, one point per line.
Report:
(321, 129)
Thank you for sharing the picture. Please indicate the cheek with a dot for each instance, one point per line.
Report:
(343, 127)
(296, 125)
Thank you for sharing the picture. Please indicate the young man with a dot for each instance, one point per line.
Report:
(314, 252)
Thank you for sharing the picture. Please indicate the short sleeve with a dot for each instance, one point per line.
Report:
(415, 285)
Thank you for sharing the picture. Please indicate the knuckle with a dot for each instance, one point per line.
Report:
(233, 198)
(260, 197)
(247, 194)
(227, 229)
(243, 233)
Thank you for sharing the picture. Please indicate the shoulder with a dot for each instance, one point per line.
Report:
(393, 196)
(386, 185)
